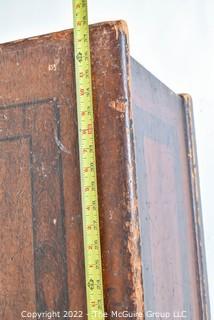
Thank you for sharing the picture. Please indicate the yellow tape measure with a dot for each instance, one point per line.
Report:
(91, 231)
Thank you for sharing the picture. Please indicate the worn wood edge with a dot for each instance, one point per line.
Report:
(117, 25)
(196, 205)
(133, 225)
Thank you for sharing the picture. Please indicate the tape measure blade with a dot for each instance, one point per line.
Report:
(87, 156)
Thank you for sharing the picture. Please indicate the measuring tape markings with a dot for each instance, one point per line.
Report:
(92, 250)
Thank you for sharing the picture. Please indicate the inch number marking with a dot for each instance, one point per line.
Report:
(92, 250)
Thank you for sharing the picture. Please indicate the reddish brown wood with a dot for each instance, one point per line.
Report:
(169, 198)
(151, 252)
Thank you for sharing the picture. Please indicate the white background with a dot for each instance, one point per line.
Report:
(174, 39)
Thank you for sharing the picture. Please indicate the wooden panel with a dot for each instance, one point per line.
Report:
(163, 226)
(36, 123)
(168, 226)
(17, 289)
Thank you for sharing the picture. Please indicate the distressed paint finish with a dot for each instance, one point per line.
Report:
(16, 254)
(40, 175)
(38, 101)
(37, 124)
(174, 269)
(196, 205)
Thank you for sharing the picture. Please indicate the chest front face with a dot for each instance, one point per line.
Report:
(42, 262)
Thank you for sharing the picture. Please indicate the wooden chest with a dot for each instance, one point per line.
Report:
(151, 228)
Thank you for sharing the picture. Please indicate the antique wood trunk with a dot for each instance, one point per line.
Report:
(151, 228)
